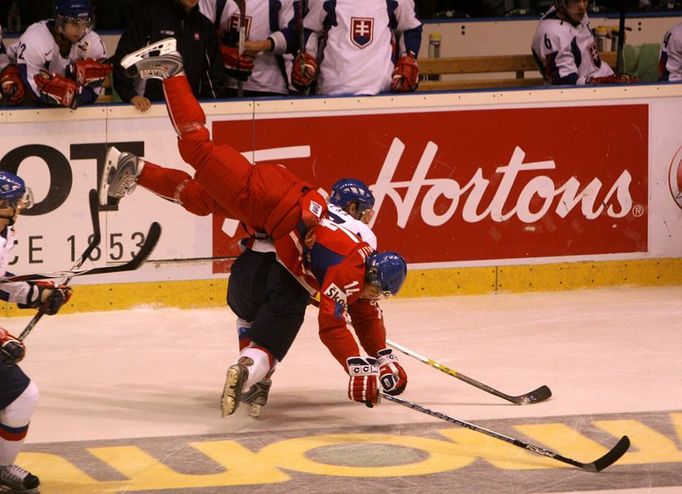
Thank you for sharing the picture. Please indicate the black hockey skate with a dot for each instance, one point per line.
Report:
(237, 374)
(257, 396)
(15, 479)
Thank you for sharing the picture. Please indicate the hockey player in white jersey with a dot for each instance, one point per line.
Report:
(18, 394)
(270, 31)
(353, 41)
(565, 48)
(670, 63)
(60, 61)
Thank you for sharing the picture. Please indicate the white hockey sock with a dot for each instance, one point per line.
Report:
(260, 367)
(13, 419)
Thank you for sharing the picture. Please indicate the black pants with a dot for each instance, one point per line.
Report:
(263, 292)
(13, 382)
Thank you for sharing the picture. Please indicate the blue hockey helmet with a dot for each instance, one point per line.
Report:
(78, 11)
(14, 195)
(349, 190)
(386, 271)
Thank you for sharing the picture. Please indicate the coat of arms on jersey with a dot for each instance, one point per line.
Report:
(594, 54)
(234, 26)
(361, 31)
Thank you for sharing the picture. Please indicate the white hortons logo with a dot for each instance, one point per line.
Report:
(615, 203)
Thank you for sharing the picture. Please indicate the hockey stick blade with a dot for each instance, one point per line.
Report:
(536, 396)
(141, 256)
(608, 459)
(93, 201)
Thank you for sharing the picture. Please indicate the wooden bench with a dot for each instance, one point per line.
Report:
(503, 70)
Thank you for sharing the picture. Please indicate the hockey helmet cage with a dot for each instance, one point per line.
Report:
(349, 190)
(386, 271)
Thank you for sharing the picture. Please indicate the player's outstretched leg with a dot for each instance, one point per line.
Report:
(119, 176)
(257, 396)
(159, 60)
(16, 479)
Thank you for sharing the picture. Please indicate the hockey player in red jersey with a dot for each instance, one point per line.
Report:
(323, 256)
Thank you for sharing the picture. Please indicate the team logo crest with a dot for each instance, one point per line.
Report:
(594, 54)
(361, 31)
(675, 177)
(234, 24)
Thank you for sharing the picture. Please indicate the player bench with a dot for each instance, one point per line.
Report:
(502, 71)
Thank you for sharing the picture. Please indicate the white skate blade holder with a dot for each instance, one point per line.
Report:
(162, 47)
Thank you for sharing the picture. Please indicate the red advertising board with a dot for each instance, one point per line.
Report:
(475, 185)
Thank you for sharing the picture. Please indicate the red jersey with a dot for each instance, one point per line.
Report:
(335, 267)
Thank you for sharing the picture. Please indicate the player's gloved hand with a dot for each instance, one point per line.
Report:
(364, 380)
(89, 72)
(303, 71)
(405, 74)
(12, 350)
(12, 85)
(391, 374)
(612, 79)
(313, 207)
(57, 90)
(236, 66)
(46, 296)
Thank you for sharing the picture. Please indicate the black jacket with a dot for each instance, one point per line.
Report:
(197, 42)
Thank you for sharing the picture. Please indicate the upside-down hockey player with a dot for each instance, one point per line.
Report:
(323, 256)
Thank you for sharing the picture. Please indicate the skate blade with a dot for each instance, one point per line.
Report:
(254, 410)
(163, 47)
(229, 402)
(109, 164)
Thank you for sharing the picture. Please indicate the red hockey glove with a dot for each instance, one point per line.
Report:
(12, 350)
(303, 71)
(89, 72)
(612, 79)
(364, 380)
(391, 374)
(57, 90)
(313, 207)
(46, 296)
(12, 85)
(236, 66)
(405, 74)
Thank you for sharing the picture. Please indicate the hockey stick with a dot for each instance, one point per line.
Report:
(620, 62)
(141, 256)
(92, 245)
(613, 455)
(540, 394)
(241, 5)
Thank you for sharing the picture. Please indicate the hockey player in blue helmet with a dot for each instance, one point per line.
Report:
(18, 394)
(73, 18)
(386, 272)
(354, 197)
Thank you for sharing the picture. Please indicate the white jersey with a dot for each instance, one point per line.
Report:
(16, 292)
(37, 50)
(567, 54)
(671, 54)
(352, 40)
(268, 74)
(340, 217)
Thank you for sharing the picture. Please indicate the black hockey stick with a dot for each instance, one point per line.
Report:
(141, 256)
(95, 239)
(598, 465)
(620, 62)
(241, 5)
(540, 394)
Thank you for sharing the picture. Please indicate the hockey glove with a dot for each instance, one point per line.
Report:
(303, 71)
(12, 350)
(236, 66)
(364, 380)
(13, 88)
(612, 79)
(89, 72)
(57, 90)
(391, 374)
(405, 74)
(46, 297)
